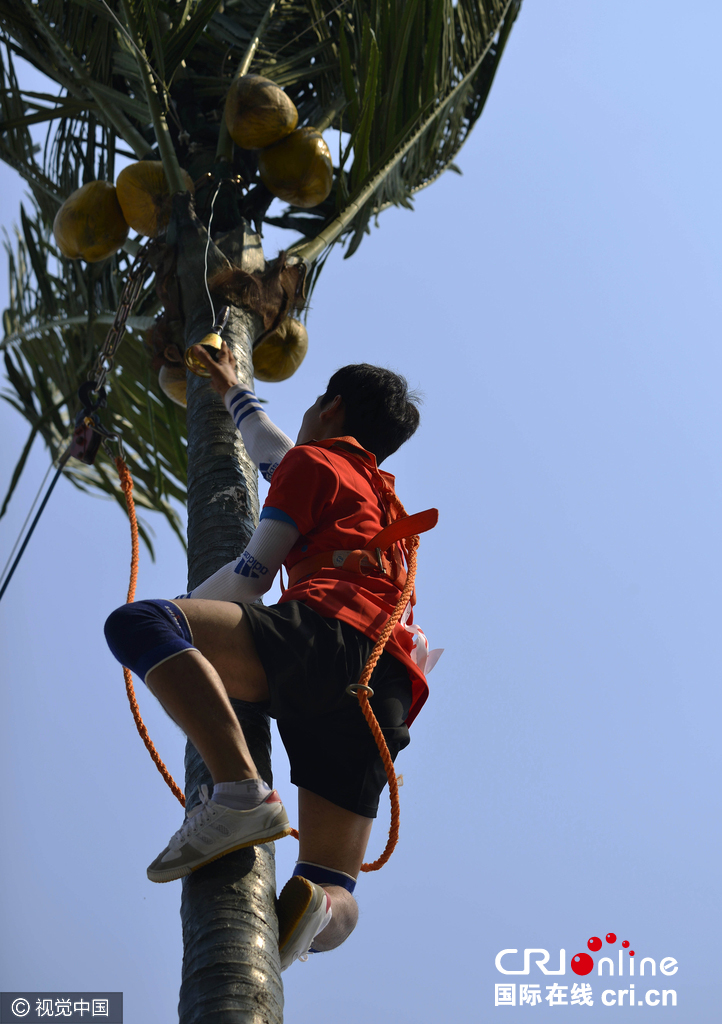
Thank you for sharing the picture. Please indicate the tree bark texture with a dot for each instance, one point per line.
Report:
(231, 970)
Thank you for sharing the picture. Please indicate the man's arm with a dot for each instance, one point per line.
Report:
(264, 442)
(249, 577)
(303, 487)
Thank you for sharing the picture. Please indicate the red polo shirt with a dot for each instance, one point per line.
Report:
(334, 494)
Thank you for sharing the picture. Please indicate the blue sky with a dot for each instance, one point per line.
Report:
(558, 306)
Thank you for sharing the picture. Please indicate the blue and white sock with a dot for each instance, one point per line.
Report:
(324, 876)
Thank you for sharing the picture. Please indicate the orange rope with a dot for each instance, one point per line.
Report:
(126, 483)
(411, 544)
(363, 699)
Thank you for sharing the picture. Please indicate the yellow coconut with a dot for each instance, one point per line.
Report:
(298, 169)
(258, 112)
(279, 355)
(172, 381)
(90, 223)
(144, 196)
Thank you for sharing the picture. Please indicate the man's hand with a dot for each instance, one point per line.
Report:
(223, 372)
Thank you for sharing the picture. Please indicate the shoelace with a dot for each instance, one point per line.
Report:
(198, 818)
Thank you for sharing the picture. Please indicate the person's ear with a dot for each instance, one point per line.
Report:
(332, 408)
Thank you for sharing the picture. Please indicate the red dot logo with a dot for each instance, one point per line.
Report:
(582, 963)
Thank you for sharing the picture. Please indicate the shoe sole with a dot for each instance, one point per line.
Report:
(292, 904)
(172, 874)
(298, 898)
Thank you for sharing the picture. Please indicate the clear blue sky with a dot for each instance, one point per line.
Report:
(559, 307)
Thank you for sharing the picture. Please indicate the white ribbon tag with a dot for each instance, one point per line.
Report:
(421, 655)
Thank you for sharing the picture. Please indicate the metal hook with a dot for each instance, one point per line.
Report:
(221, 320)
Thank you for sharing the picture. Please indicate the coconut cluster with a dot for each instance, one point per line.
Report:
(293, 163)
(93, 222)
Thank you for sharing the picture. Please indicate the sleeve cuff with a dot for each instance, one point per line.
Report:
(276, 513)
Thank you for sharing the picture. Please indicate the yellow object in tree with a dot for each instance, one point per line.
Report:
(279, 355)
(298, 169)
(172, 382)
(144, 196)
(258, 112)
(90, 223)
(213, 341)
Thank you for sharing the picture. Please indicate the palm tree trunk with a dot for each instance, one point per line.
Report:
(231, 971)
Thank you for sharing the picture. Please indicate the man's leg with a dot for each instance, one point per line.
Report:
(335, 764)
(194, 686)
(157, 641)
(194, 690)
(335, 838)
(316, 908)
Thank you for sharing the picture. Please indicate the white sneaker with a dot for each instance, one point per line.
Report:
(304, 910)
(212, 830)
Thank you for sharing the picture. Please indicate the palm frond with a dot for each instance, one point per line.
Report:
(402, 83)
(406, 79)
(422, 120)
(48, 355)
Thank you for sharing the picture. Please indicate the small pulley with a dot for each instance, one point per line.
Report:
(211, 343)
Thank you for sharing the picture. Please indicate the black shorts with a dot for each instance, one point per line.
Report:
(309, 662)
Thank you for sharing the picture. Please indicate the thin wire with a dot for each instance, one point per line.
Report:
(205, 255)
(27, 519)
(64, 458)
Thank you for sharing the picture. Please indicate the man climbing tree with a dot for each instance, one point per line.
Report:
(327, 504)
(167, 86)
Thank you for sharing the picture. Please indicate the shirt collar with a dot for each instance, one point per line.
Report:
(350, 446)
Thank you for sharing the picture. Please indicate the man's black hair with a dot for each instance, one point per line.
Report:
(380, 412)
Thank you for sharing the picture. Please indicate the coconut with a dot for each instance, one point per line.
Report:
(298, 169)
(258, 112)
(144, 196)
(172, 381)
(279, 355)
(90, 223)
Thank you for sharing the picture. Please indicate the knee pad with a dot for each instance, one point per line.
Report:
(319, 874)
(144, 634)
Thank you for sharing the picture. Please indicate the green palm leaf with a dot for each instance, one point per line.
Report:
(47, 356)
